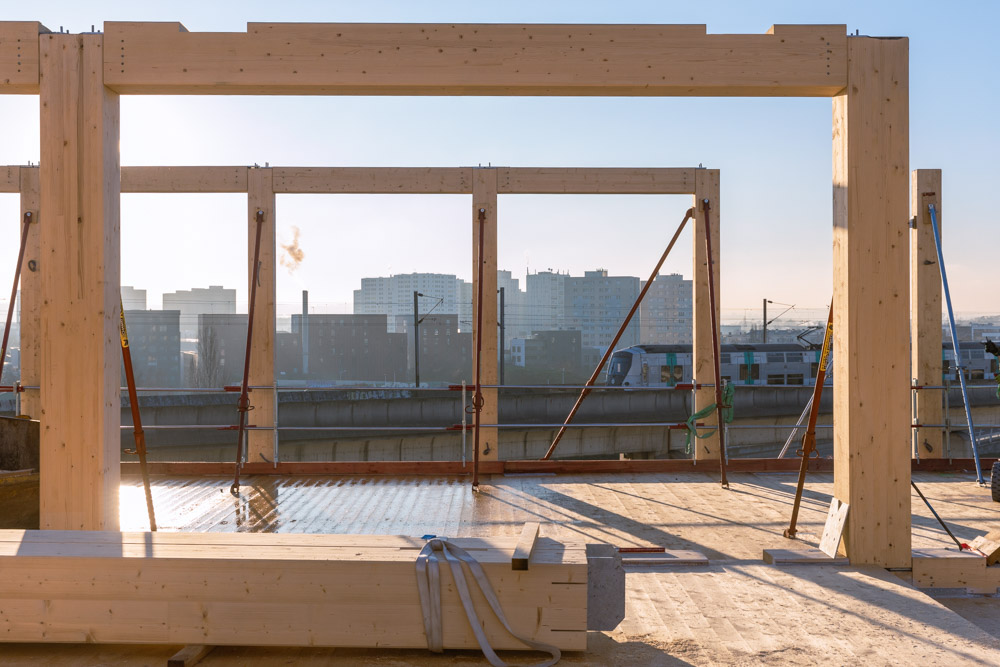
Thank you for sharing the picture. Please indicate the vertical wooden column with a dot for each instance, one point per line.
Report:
(484, 195)
(925, 310)
(706, 187)
(80, 180)
(260, 196)
(871, 369)
(31, 292)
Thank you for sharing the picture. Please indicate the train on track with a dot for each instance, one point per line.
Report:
(781, 364)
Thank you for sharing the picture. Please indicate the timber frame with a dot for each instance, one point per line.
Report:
(80, 77)
(484, 183)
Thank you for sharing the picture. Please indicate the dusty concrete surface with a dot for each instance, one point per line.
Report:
(736, 610)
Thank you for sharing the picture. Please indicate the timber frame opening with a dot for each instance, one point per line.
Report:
(80, 77)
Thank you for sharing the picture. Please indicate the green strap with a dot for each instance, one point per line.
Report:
(728, 412)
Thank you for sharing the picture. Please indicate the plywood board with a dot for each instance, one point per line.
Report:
(474, 59)
(836, 518)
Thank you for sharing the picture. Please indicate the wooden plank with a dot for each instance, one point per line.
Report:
(989, 545)
(665, 557)
(174, 590)
(10, 179)
(485, 197)
(189, 656)
(925, 311)
(525, 545)
(80, 349)
(871, 295)
(184, 179)
(950, 568)
(31, 294)
(474, 59)
(261, 444)
(833, 530)
(706, 187)
(551, 180)
(801, 557)
(19, 49)
(373, 180)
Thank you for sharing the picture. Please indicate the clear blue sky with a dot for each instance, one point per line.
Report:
(775, 156)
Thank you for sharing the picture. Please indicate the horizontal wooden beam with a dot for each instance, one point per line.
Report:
(791, 464)
(475, 59)
(184, 179)
(19, 56)
(373, 180)
(274, 590)
(10, 179)
(549, 180)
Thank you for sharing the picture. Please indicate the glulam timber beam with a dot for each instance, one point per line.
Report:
(262, 445)
(925, 311)
(31, 294)
(19, 49)
(10, 179)
(871, 302)
(80, 185)
(184, 179)
(707, 187)
(583, 180)
(484, 185)
(373, 180)
(475, 59)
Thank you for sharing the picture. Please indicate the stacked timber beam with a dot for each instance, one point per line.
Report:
(275, 590)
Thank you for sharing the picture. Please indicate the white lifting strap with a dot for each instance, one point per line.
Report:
(429, 587)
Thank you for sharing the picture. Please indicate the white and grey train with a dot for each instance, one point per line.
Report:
(761, 364)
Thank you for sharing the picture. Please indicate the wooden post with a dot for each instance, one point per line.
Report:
(706, 187)
(260, 196)
(31, 288)
(79, 263)
(871, 302)
(925, 310)
(484, 195)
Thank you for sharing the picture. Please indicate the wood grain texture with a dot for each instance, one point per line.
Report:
(925, 310)
(554, 180)
(525, 546)
(373, 180)
(261, 444)
(80, 347)
(31, 294)
(19, 56)
(484, 188)
(280, 590)
(474, 59)
(706, 187)
(184, 179)
(871, 295)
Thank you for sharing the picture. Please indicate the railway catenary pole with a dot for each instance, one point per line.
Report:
(719, 407)
(621, 330)
(809, 438)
